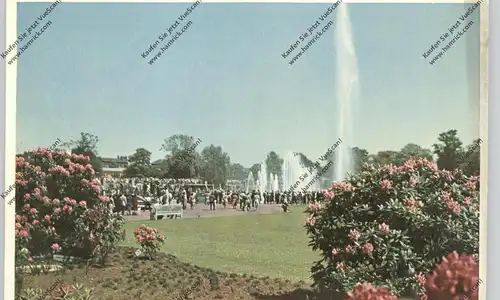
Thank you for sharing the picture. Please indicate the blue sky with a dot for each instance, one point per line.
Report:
(224, 80)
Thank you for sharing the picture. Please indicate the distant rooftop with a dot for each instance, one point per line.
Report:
(117, 160)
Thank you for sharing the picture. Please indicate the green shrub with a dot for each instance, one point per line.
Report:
(389, 225)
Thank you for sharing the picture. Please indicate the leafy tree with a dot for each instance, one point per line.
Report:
(274, 163)
(215, 163)
(159, 168)
(178, 142)
(471, 160)
(86, 145)
(414, 151)
(182, 160)
(360, 156)
(255, 170)
(140, 164)
(237, 172)
(183, 164)
(448, 150)
(386, 157)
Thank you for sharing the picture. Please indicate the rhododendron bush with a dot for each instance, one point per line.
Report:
(150, 240)
(389, 225)
(58, 205)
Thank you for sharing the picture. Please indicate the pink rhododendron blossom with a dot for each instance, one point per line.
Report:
(408, 166)
(385, 184)
(35, 222)
(390, 169)
(335, 251)
(310, 221)
(453, 206)
(46, 218)
(20, 161)
(328, 194)
(367, 248)
(343, 186)
(82, 203)
(67, 208)
(27, 196)
(18, 226)
(21, 182)
(384, 228)
(354, 235)
(23, 233)
(468, 200)
(55, 247)
(471, 185)
(367, 291)
(56, 202)
(420, 279)
(412, 205)
(57, 211)
(446, 196)
(96, 188)
(18, 218)
(33, 210)
(59, 170)
(37, 192)
(349, 249)
(314, 207)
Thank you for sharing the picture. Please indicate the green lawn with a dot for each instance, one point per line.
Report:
(273, 245)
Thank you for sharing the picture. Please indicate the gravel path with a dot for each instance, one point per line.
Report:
(203, 211)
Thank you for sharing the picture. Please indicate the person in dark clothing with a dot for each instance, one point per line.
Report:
(211, 201)
(220, 194)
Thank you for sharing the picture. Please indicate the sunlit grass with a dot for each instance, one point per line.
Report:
(273, 245)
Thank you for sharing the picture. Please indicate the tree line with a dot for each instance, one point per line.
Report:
(184, 159)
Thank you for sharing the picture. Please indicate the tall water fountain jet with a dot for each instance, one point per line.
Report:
(250, 182)
(276, 184)
(270, 182)
(346, 91)
(292, 170)
(262, 179)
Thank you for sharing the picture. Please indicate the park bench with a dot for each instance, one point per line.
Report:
(173, 210)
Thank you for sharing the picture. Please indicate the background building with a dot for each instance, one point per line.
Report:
(114, 166)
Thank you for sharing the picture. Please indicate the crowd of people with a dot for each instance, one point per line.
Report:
(131, 194)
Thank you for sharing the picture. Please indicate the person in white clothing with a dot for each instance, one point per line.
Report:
(123, 202)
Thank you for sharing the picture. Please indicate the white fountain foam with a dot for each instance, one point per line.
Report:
(292, 170)
(250, 182)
